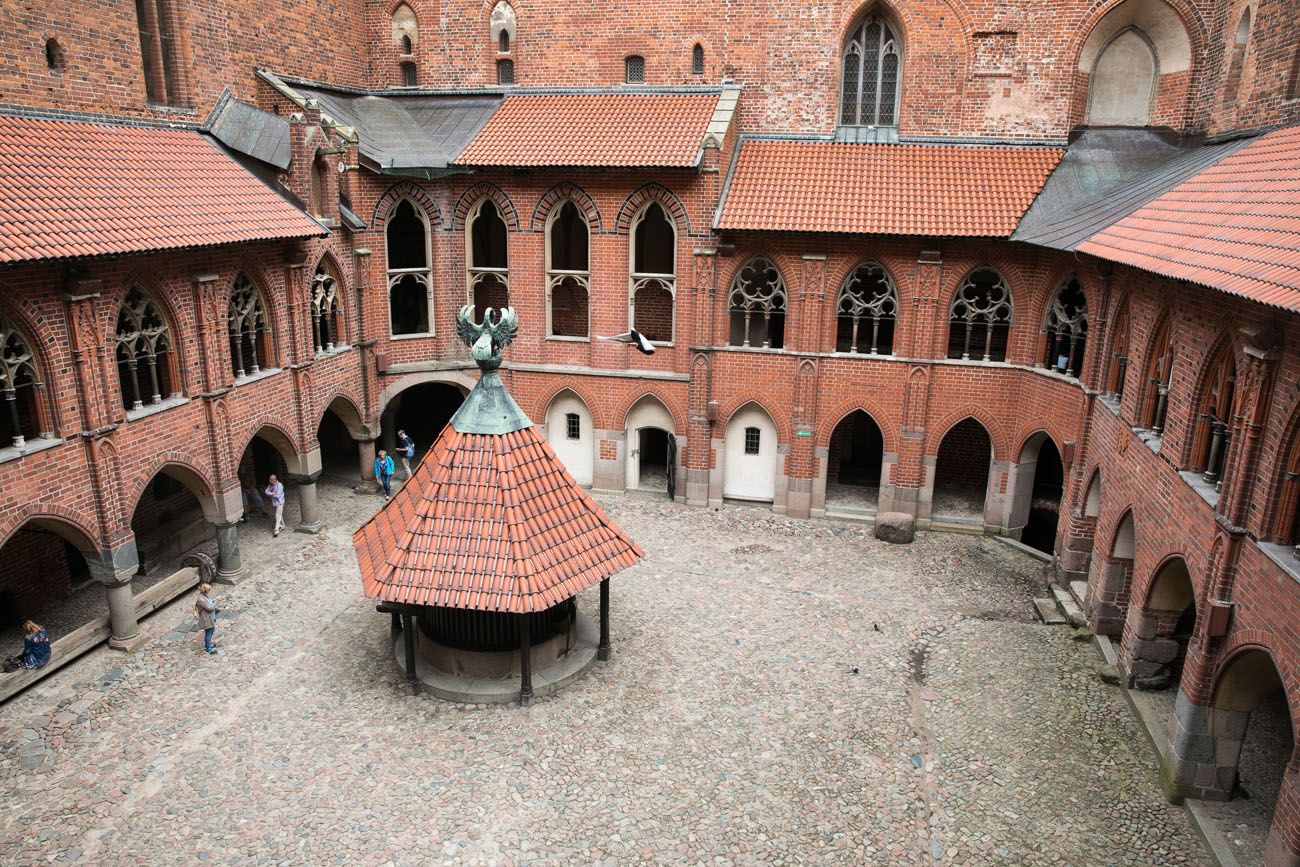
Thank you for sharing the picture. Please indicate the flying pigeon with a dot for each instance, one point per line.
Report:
(635, 338)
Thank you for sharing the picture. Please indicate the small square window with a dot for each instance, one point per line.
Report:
(573, 425)
(409, 76)
(634, 66)
(505, 71)
(752, 439)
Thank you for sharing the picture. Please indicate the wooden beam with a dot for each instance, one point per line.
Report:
(602, 652)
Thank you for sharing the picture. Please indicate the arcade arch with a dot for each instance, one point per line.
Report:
(1037, 486)
(651, 447)
(854, 464)
(961, 473)
(1169, 617)
(1252, 727)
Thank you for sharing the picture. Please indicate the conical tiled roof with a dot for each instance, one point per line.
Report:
(491, 522)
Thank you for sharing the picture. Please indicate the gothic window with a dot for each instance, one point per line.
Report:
(757, 305)
(1293, 81)
(1236, 61)
(1159, 371)
(1118, 359)
(697, 59)
(250, 336)
(501, 29)
(980, 318)
(19, 380)
(634, 69)
(143, 352)
(572, 425)
(654, 274)
(505, 71)
(753, 438)
(1123, 81)
(1213, 421)
(867, 312)
(489, 269)
(160, 51)
(872, 60)
(326, 319)
(410, 77)
(317, 189)
(410, 286)
(568, 271)
(503, 42)
(405, 29)
(1286, 518)
(1066, 329)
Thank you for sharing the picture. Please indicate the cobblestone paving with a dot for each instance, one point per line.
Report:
(781, 692)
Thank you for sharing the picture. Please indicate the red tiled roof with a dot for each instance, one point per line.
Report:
(88, 189)
(884, 189)
(1234, 226)
(493, 523)
(594, 129)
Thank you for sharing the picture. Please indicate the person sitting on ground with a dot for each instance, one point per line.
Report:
(36, 648)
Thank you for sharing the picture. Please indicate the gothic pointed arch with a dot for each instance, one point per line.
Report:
(635, 203)
(871, 65)
(143, 347)
(867, 311)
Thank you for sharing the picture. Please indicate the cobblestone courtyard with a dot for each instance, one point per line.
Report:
(781, 692)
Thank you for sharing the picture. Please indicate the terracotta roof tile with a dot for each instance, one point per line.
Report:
(902, 189)
(594, 129)
(90, 189)
(1234, 226)
(490, 522)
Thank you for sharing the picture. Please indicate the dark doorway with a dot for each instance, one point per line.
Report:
(45, 578)
(854, 461)
(1045, 499)
(961, 472)
(653, 462)
(422, 411)
(338, 451)
(168, 523)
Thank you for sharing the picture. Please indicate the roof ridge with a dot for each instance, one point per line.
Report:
(67, 115)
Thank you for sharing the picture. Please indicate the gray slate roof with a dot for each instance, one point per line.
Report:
(412, 135)
(1106, 175)
(250, 131)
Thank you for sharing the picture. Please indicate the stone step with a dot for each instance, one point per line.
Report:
(1069, 608)
(1048, 612)
(1079, 590)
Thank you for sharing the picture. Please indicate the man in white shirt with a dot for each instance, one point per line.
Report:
(275, 492)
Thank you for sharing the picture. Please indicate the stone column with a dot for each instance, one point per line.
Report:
(230, 567)
(309, 521)
(1108, 595)
(114, 569)
(366, 454)
(1204, 745)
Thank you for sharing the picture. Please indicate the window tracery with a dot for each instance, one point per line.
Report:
(867, 311)
(489, 264)
(248, 329)
(409, 277)
(143, 340)
(19, 379)
(653, 282)
(757, 303)
(568, 271)
(872, 62)
(1066, 329)
(980, 318)
(325, 317)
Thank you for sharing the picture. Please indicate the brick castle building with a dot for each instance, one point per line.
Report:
(1009, 269)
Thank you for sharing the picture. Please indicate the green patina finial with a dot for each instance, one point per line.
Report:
(489, 409)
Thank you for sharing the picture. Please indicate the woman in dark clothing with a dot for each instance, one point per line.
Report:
(36, 648)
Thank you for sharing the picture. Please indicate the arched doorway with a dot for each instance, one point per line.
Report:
(571, 435)
(651, 447)
(169, 522)
(1039, 483)
(1254, 743)
(750, 459)
(337, 434)
(45, 576)
(1112, 581)
(1169, 617)
(854, 460)
(269, 452)
(961, 473)
(422, 410)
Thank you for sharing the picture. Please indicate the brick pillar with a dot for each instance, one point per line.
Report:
(697, 458)
(910, 485)
(83, 333)
(1204, 745)
(1284, 837)
(1076, 546)
(800, 462)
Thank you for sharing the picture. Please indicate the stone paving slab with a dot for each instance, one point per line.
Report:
(781, 692)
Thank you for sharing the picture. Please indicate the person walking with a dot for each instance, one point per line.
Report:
(205, 612)
(406, 448)
(384, 472)
(275, 493)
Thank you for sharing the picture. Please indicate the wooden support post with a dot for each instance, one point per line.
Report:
(397, 621)
(602, 652)
(408, 638)
(525, 661)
